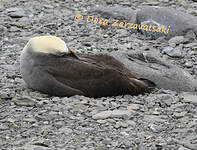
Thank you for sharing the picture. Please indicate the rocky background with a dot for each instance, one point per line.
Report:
(164, 119)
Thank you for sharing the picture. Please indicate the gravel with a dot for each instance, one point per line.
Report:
(164, 119)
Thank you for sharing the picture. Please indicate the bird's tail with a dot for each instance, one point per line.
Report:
(141, 85)
(148, 82)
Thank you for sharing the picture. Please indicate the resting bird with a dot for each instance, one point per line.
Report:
(48, 66)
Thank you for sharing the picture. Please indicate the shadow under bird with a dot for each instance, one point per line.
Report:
(48, 66)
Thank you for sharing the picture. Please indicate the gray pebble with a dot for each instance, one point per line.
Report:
(179, 23)
(173, 52)
(112, 114)
(187, 97)
(177, 40)
(16, 12)
(188, 64)
(166, 98)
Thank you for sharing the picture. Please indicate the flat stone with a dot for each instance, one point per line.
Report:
(34, 147)
(49, 6)
(189, 97)
(107, 141)
(14, 29)
(30, 120)
(111, 114)
(16, 12)
(3, 127)
(116, 12)
(166, 98)
(153, 118)
(162, 72)
(2, 29)
(190, 45)
(186, 143)
(4, 94)
(179, 23)
(121, 124)
(188, 64)
(101, 121)
(24, 101)
(176, 40)
(133, 106)
(179, 115)
(102, 115)
(8, 67)
(183, 148)
(173, 52)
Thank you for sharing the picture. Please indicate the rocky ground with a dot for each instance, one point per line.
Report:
(29, 120)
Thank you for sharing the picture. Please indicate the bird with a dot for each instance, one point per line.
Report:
(47, 65)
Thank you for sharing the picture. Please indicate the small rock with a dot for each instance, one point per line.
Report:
(154, 118)
(121, 124)
(173, 45)
(173, 52)
(8, 67)
(122, 33)
(56, 99)
(120, 113)
(177, 40)
(30, 120)
(102, 115)
(49, 6)
(183, 148)
(3, 127)
(24, 101)
(2, 29)
(188, 64)
(34, 147)
(144, 48)
(105, 35)
(14, 29)
(16, 12)
(189, 98)
(4, 95)
(166, 98)
(168, 49)
(179, 115)
(190, 45)
(107, 141)
(101, 121)
(155, 112)
(112, 114)
(131, 123)
(141, 146)
(134, 107)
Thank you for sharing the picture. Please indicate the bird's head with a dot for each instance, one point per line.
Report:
(49, 44)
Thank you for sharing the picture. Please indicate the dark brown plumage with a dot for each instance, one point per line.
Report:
(91, 75)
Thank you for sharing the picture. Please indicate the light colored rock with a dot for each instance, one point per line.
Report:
(189, 97)
(111, 114)
(133, 106)
(179, 23)
(176, 40)
(16, 12)
(162, 72)
(173, 52)
(166, 98)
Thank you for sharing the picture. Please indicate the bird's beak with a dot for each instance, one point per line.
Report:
(69, 52)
